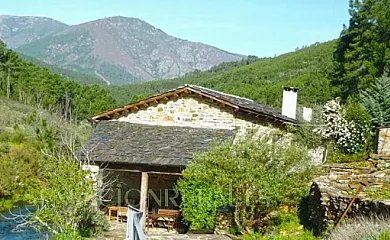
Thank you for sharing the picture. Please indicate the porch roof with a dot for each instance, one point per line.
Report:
(131, 143)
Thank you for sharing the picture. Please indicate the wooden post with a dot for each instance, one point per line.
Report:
(362, 184)
(144, 196)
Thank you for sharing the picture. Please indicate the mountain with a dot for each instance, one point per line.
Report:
(124, 50)
(259, 79)
(16, 31)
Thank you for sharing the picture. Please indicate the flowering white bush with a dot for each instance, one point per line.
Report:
(349, 136)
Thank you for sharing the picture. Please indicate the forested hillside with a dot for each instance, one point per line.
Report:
(259, 79)
(36, 86)
(79, 77)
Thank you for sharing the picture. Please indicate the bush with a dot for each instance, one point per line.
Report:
(206, 198)
(349, 131)
(94, 222)
(255, 176)
(65, 195)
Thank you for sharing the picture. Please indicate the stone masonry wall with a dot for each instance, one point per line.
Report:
(383, 136)
(334, 189)
(190, 111)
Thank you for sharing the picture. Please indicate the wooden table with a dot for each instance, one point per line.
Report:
(169, 219)
(115, 209)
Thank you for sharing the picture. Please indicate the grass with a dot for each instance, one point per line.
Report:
(285, 227)
(382, 193)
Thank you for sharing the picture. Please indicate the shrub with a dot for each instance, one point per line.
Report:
(349, 135)
(361, 228)
(65, 194)
(207, 199)
(254, 175)
(94, 222)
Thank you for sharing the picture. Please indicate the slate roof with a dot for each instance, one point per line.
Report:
(245, 103)
(238, 103)
(131, 143)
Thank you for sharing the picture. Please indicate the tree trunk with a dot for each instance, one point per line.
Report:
(9, 83)
(1, 86)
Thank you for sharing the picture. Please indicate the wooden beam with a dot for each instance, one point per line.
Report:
(138, 171)
(144, 196)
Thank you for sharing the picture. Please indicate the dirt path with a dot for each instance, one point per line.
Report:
(103, 78)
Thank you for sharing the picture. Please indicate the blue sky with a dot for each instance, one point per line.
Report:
(257, 27)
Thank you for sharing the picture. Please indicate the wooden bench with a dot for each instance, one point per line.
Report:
(121, 213)
(165, 216)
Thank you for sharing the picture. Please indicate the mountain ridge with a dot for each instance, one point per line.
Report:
(20, 30)
(124, 50)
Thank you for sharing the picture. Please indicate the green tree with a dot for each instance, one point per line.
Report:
(363, 49)
(32, 85)
(255, 176)
(376, 100)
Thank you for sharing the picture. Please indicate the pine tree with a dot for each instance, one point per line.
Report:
(363, 50)
(376, 99)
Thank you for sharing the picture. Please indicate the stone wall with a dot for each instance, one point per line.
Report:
(191, 111)
(383, 137)
(334, 189)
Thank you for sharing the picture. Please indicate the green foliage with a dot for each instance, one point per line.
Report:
(286, 226)
(258, 236)
(79, 77)
(200, 202)
(36, 86)
(94, 222)
(65, 194)
(363, 50)
(259, 79)
(57, 186)
(339, 157)
(69, 235)
(376, 100)
(381, 193)
(117, 74)
(348, 128)
(18, 169)
(305, 133)
(385, 235)
(255, 176)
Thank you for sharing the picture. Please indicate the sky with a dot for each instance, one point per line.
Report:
(264, 28)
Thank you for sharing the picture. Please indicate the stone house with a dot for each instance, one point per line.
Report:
(146, 144)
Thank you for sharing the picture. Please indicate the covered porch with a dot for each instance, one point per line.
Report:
(151, 189)
(144, 163)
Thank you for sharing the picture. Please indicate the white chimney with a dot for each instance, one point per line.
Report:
(289, 104)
